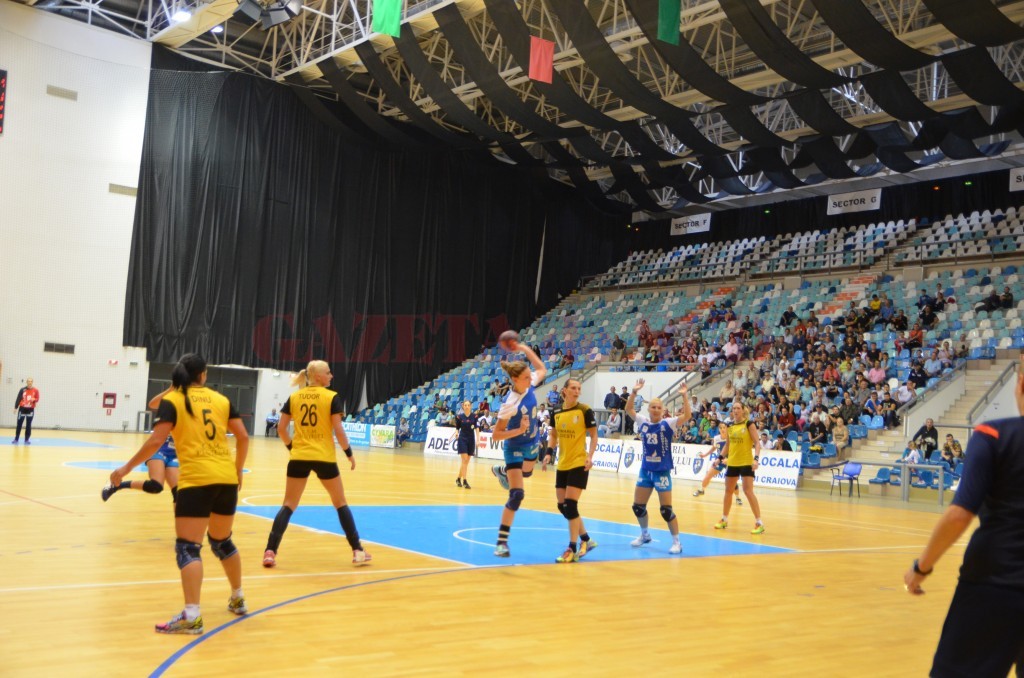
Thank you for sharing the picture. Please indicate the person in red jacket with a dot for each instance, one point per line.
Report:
(25, 406)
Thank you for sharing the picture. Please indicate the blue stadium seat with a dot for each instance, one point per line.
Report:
(881, 477)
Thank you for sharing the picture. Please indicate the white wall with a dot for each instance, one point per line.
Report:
(65, 238)
(655, 383)
(1003, 405)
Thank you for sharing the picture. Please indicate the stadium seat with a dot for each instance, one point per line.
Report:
(849, 473)
(881, 477)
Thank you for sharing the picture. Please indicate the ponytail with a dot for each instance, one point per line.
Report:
(314, 367)
(188, 370)
(300, 379)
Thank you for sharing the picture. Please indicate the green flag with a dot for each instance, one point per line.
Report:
(668, 21)
(387, 17)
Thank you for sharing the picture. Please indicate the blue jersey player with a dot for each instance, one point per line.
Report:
(162, 466)
(517, 427)
(656, 434)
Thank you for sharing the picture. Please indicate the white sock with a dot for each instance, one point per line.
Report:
(191, 612)
(675, 538)
(237, 593)
(757, 521)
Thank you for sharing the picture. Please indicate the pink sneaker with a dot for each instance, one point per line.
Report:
(360, 558)
(269, 558)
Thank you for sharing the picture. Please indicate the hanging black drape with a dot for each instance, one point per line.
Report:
(264, 237)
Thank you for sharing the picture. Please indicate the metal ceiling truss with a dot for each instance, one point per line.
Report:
(330, 29)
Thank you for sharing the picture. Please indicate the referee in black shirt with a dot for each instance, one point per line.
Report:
(984, 630)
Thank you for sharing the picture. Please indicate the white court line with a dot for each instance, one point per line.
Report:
(458, 533)
(865, 548)
(70, 496)
(105, 585)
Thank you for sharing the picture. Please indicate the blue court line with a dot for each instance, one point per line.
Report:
(169, 662)
(466, 534)
(55, 442)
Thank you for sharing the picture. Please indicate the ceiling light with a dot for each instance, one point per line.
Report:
(217, 29)
(180, 16)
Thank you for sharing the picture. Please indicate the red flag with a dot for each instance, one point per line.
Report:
(542, 56)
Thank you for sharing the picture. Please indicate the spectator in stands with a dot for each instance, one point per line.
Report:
(990, 303)
(567, 360)
(554, 399)
(704, 368)
(939, 300)
(816, 433)
(786, 419)
(495, 388)
(888, 412)
(611, 400)
(899, 322)
(849, 410)
(876, 375)
(924, 300)
(916, 337)
(726, 393)
(504, 388)
(933, 366)
(618, 349)
(438, 404)
(613, 426)
(928, 318)
(788, 316)
(864, 392)
(906, 393)
(886, 312)
(402, 433)
(840, 434)
(731, 351)
(927, 437)
(1006, 299)
(873, 406)
(543, 413)
(912, 455)
(483, 422)
(952, 451)
(918, 375)
(782, 444)
(444, 416)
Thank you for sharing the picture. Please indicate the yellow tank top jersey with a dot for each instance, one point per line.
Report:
(571, 425)
(741, 447)
(200, 438)
(310, 409)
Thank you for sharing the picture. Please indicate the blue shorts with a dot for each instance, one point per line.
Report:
(659, 480)
(167, 454)
(520, 454)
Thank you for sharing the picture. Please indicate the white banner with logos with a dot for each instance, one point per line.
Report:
(358, 434)
(858, 201)
(608, 454)
(1017, 179)
(777, 469)
(441, 441)
(489, 449)
(695, 223)
(382, 436)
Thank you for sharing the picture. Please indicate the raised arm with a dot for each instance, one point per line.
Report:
(155, 402)
(631, 400)
(539, 371)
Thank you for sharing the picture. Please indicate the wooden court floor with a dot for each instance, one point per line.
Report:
(83, 582)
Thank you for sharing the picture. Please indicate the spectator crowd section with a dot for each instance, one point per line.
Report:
(795, 353)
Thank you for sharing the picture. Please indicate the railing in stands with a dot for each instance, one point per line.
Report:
(944, 381)
(991, 392)
(925, 257)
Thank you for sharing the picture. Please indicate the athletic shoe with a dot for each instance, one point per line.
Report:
(108, 491)
(721, 524)
(14, 442)
(237, 606)
(269, 558)
(28, 442)
(568, 557)
(458, 482)
(501, 475)
(501, 550)
(675, 548)
(739, 502)
(465, 485)
(758, 529)
(641, 540)
(179, 624)
(586, 547)
(360, 558)
(698, 493)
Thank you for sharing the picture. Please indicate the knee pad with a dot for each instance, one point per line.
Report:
(174, 494)
(572, 509)
(527, 474)
(153, 487)
(515, 498)
(561, 509)
(222, 548)
(639, 510)
(666, 513)
(186, 552)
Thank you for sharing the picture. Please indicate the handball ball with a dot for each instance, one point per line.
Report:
(509, 340)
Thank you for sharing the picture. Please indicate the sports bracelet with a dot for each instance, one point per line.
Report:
(918, 570)
(348, 452)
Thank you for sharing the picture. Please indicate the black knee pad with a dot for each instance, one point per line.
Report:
(515, 499)
(222, 548)
(666, 513)
(561, 509)
(153, 487)
(639, 510)
(186, 552)
(527, 474)
(174, 494)
(572, 509)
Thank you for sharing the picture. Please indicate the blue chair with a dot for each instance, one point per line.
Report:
(895, 477)
(849, 473)
(830, 450)
(858, 431)
(813, 460)
(924, 479)
(865, 420)
(882, 477)
(792, 436)
(877, 423)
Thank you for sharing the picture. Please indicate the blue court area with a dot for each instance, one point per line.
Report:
(111, 465)
(54, 442)
(466, 534)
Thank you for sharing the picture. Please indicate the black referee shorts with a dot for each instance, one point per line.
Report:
(983, 634)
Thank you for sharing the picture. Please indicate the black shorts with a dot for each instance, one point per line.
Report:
(572, 477)
(465, 446)
(201, 501)
(325, 470)
(739, 471)
(983, 634)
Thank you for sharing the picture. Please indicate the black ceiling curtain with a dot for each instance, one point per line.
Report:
(263, 237)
